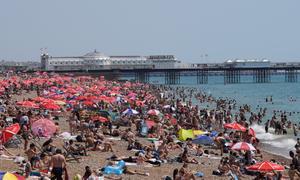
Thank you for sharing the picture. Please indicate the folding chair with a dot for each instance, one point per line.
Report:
(69, 155)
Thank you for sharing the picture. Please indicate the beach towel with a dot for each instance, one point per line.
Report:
(67, 136)
(114, 138)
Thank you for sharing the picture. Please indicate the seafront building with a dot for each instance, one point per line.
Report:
(99, 61)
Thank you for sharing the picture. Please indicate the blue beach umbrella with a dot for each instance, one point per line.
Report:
(130, 111)
(214, 134)
(203, 139)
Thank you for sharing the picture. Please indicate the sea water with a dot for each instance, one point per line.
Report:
(286, 97)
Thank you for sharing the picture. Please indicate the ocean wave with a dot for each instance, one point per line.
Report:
(279, 144)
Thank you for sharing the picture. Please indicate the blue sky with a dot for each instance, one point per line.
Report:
(222, 29)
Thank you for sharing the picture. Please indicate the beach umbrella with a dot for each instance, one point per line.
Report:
(43, 127)
(27, 104)
(130, 111)
(153, 112)
(100, 118)
(243, 146)
(235, 126)
(203, 139)
(150, 123)
(252, 132)
(39, 99)
(104, 113)
(50, 106)
(213, 134)
(10, 176)
(9, 132)
(266, 166)
(88, 103)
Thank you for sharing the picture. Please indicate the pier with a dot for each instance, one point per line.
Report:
(173, 76)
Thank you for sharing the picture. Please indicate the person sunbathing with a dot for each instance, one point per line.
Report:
(107, 147)
(199, 151)
(140, 158)
(184, 157)
(133, 172)
(184, 173)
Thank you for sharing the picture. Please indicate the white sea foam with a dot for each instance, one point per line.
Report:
(277, 144)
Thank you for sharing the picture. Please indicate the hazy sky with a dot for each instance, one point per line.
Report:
(189, 29)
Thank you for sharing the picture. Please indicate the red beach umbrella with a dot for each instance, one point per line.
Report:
(51, 106)
(266, 166)
(100, 118)
(9, 132)
(252, 132)
(27, 104)
(88, 103)
(235, 126)
(39, 99)
(243, 146)
(153, 112)
(150, 123)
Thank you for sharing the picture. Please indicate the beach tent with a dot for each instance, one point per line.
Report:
(198, 132)
(183, 134)
(9, 132)
(43, 127)
(203, 139)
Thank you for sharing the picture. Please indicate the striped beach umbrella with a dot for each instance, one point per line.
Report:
(243, 146)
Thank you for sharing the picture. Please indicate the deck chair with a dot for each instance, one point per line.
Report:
(15, 141)
(70, 155)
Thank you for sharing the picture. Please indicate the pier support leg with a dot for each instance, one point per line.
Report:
(202, 77)
(291, 75)
(172, 77)
(261, 76)
(232, 76)
(114, 76)
(142, 77)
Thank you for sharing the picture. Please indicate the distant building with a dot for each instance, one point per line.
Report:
(19, 66)
(99, 61)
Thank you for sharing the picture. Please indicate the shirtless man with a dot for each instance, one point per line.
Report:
(57, 165)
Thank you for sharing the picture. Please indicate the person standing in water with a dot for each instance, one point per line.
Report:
(267, 126)
(295, 129)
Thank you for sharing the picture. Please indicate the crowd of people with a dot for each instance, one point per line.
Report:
(147, 117)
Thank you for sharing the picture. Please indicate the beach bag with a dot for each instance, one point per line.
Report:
(216, 173)
(144, 131)
(79, 138)
(225, 150)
